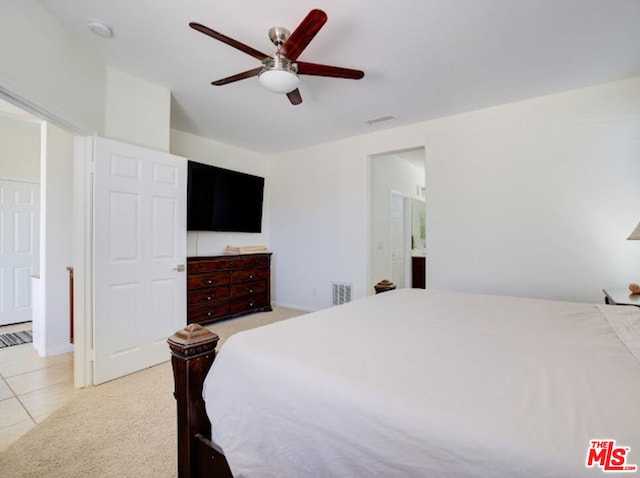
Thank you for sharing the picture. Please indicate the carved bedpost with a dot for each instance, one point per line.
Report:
(193, 350)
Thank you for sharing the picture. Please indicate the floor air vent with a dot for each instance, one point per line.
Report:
(341, 292)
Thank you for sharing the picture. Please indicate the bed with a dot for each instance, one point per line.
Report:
(415, 383)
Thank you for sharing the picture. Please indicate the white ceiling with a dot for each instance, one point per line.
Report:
(422, 59)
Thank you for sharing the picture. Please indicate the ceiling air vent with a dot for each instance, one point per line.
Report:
(382, 119)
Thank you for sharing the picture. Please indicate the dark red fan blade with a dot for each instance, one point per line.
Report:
(229, 41)
(314, 69)
(303, 35)
(294, 97)
(239, 76)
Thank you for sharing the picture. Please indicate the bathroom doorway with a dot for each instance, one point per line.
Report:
(398, 218)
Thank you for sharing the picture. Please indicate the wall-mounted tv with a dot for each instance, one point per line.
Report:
(220, 199)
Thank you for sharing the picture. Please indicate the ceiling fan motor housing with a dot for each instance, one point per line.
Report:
(279, 35)
(279, 62)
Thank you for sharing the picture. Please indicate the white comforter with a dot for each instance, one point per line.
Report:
(423, 384)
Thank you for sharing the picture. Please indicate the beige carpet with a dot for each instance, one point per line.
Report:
(123, 428)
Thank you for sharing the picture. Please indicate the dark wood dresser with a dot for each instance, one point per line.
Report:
(225, 286)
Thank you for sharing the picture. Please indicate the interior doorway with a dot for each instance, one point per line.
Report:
(27, 146)
(397, 217)
(38, 152)
(19, 212)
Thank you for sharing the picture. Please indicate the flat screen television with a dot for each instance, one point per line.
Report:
(220, 199)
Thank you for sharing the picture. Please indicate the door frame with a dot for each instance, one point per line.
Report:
(84, 167)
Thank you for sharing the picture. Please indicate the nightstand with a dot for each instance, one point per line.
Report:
(621, 296)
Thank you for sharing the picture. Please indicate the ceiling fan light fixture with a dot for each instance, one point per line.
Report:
(279, 75)
(279, 80)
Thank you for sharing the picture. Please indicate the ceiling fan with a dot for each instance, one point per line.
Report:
(279, 73)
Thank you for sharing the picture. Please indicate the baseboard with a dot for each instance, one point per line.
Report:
(293, 306)
(60, 349)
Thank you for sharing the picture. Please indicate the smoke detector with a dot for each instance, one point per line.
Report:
(100, 28)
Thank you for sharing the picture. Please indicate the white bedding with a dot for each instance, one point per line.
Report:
(424, 383)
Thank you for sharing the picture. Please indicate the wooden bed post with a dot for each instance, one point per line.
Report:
(193, 350)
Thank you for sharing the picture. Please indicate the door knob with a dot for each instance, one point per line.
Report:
(180, 268)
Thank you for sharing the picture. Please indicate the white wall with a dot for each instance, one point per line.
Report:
(211, 152)
(19, 150)
(56, 245)
(533, 198)
(43, 63)
(319, 227)
(536, 198)
(137, 112)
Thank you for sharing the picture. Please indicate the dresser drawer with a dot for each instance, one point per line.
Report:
(206, 296)
(207, 312)
(254, 262)
(212, 265)
(249, 275)
(248, 304)
(248, 288)
(205, 281)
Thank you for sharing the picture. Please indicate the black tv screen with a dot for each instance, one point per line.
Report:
(220, 199)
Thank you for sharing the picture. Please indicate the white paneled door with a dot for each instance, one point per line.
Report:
(399, 238)
(139, 256)
(19, 226)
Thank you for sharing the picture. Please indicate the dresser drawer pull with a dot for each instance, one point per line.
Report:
(252, 303)
(208, 282)
(209, 297)
(251, 276)
(250, 289)
(209, 314)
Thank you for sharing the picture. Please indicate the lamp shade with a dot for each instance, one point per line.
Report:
(279, 81)
(635, 234)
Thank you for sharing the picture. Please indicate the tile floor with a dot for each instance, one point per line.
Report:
(31, 387)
